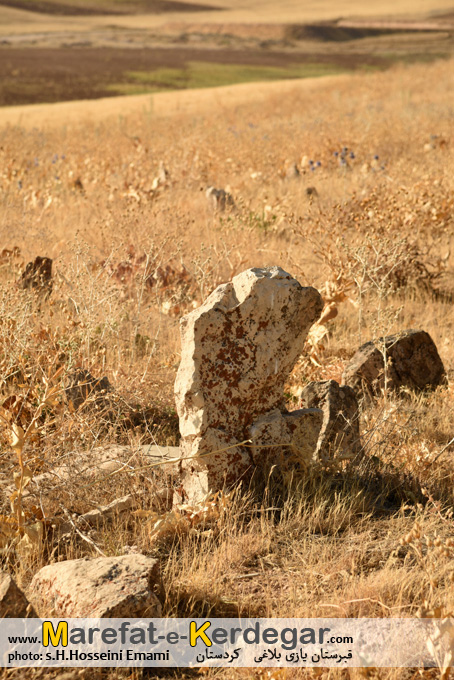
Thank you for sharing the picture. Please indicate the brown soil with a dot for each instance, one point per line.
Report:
(35, 75)
(344, 31)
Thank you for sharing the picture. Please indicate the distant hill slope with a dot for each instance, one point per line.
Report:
(160, 104)
(105, 7)
(238, 10)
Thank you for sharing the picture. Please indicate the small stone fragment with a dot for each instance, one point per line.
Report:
(38, 276)
(219, 199)
(339, 435)
(13, 603)
(106, 513)
(82, 385)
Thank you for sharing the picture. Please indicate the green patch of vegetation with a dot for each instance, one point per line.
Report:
(206, 74)
(260, 220)
(416, 57)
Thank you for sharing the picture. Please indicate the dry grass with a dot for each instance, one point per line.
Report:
(131, 255)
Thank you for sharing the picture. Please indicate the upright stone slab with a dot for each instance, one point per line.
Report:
(339, 435)
(238, 349)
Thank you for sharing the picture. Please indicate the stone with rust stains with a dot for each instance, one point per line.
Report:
(238, 349)
(226, 463)
(292, 436)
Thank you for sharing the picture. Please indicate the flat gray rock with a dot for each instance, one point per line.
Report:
(99, 462)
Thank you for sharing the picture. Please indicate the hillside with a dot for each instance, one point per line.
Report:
(143, 205)
(54, 51)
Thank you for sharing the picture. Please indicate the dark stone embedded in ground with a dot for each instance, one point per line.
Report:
(339, 435)
(412, 360)
(82, 386)
(13, 603)
(37, 276)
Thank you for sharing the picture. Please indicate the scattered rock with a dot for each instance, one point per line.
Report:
(238, 349)
(161, 178)
(339, 434)
(78, 185)
(292, 171)
(311, 192)
(297, 432)
(412, 359)
(13, 603)
(82, 385)
(106, 513)
(219, 199)
(8, 255)
(104, 587)
(66, 527)
(163, 173)
(38, 276)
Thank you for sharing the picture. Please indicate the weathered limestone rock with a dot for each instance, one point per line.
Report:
(96, 518)
(292, 434)
(413, 362)
(339, 435)
(212, 460)
(13, 603)
(105, 587)
(292, 171)
(238, 349)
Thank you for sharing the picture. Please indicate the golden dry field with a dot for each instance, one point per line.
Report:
(114, 192)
